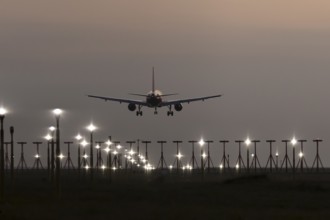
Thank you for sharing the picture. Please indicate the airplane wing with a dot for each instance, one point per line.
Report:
(137, 102)
(179, 101)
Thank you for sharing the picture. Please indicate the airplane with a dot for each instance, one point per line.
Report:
(154, 99)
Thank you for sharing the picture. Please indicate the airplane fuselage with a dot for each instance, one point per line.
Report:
(154, 100)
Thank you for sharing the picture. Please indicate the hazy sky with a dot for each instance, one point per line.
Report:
(270, 59)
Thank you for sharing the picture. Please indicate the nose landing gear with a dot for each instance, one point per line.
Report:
(139, 112)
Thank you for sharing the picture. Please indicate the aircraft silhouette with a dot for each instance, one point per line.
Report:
(154, 99)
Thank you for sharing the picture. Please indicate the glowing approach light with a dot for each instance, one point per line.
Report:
(37, 156)
(107, 149)
(294, 141)
(301, 154)
(103, 167)
(57, 111)
(276, 154)
(179, 156)
(108, 143)
(3, 111)
(247, 141)
(91, 127)
(84, 143)
(201, 142)
(204, 155)
(119, 147)
(78, 137)
(97, 147)
(237, 166)
(61, 156)
(52, 128)
(85, 156)
(48, 137)
(131, 152)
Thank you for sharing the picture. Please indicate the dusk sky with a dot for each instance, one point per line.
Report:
(269, 59)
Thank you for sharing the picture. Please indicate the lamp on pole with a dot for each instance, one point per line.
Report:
(91, 128)
(57, 112)
(107, 150)
(3, 112)
(78, 138)
(293, 143)
(162, 161)
(201, 144)
(302, 160)
(286, 160)
(12, 154)
(52, 153)
(317, 159)
(270, 160)
(240, 161)
(48, 137)
(247, 143)
(193, 158)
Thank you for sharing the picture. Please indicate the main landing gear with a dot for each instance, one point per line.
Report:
(170, 112)
(139, 112)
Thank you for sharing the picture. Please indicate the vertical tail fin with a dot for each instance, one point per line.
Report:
(153, 80)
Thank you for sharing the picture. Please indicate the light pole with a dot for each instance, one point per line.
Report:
(99, 154)
(317, 159)
(201, 144)
(22, 163)
(178, 156)
(78, 138)
(130, 150)
(91, 128)
(276, 160)
(293, 142)
(247, 143)
(57, 112)
(162, 161)
(68, 163)
(12, 154)
(3, 112)
(286, 159)
(52, 154)
(240, 161)
(146, 153)
(84, 143)
(225, 160)
(107, 150)
(193, 158)
(48, 137)
(115, 161)
(270, 160)
(7, 160)
(302, 160)
(37, 161)
(255, 158)
(208, 158)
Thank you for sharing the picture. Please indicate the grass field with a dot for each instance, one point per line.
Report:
(169, 196)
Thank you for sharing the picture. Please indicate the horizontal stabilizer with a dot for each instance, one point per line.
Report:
(137, 94)
(163, 95)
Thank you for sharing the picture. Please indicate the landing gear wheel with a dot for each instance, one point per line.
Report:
(170, 113)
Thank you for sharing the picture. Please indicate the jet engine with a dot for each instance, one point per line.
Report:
(131, 107)
(178, 107)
